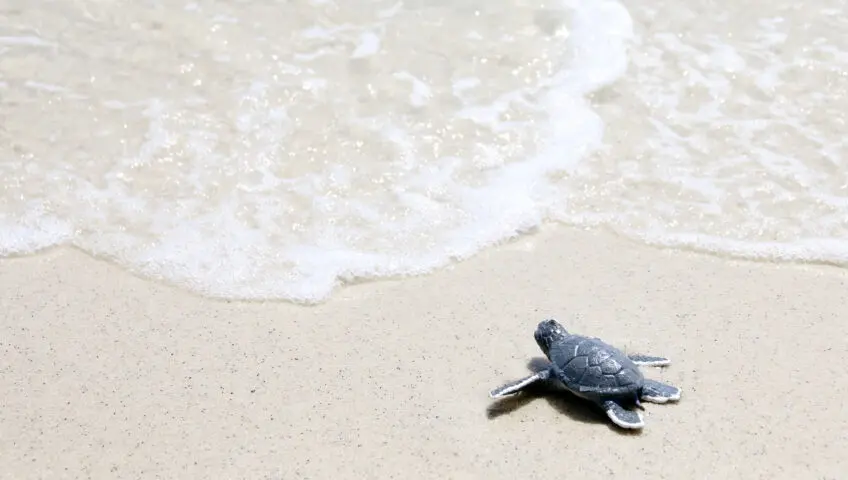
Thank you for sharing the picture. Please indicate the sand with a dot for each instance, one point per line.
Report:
(106, 375)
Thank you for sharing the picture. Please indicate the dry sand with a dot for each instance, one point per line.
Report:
(105, 375)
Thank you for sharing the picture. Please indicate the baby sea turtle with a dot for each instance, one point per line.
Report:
(596, 371)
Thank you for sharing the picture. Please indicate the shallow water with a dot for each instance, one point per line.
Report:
(268, 149)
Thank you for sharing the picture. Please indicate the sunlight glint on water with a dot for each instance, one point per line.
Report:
(244, 153)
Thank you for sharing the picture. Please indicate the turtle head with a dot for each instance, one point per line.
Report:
(549, 332)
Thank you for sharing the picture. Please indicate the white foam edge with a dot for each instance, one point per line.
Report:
(599, 27)
(807, 250)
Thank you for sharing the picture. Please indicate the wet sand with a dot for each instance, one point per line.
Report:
(106, 375)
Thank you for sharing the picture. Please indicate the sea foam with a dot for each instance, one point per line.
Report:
(373, 142)
(243, 154)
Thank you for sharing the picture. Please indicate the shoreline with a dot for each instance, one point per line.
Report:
(112, 375)
(528, 237)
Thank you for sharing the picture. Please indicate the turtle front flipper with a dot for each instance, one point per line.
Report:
(656, 392)
(649, 360)
(622, 417)
(518, 385)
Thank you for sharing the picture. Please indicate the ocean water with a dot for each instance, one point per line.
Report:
(276, 149)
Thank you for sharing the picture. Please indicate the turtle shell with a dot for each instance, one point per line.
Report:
(592, 364)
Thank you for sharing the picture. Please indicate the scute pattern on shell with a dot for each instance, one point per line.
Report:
(590, 362)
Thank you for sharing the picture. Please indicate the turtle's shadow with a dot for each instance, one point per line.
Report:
(563, 401)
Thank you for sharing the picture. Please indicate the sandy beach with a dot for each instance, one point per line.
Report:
(106, 375)
(264, 149)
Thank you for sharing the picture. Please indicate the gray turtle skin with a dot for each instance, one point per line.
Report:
(596, 371)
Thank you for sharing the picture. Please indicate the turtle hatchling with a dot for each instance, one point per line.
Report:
(596, 371)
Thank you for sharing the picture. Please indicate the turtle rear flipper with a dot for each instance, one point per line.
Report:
(518, 385)
(649, 360)
(622, 417)
(656, 392)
